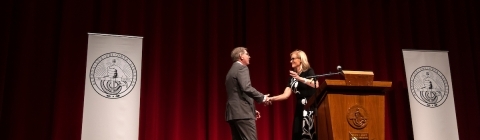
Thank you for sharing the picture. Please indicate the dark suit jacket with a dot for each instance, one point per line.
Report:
(240, 94)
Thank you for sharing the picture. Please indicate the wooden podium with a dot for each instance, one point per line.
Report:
(354, 107)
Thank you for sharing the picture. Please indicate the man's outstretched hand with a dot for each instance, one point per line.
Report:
(267, 100)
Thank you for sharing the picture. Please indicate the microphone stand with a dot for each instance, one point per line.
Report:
(323, 75)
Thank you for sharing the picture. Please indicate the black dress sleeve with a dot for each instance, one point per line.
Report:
(310, 72)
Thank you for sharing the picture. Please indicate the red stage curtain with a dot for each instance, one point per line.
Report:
(186, 55)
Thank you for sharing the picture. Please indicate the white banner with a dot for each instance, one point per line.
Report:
(431, 95)
(112, 87)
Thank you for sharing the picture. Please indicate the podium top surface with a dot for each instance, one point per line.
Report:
(379, 84)
(357, 72)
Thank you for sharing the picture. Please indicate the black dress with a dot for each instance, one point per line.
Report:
(303, 124)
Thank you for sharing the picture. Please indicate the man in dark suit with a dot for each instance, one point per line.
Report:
(240, 112)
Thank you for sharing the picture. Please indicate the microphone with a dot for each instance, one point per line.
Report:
(339, 68)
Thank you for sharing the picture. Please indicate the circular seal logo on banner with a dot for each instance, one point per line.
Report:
(429, 86)
(113, 75)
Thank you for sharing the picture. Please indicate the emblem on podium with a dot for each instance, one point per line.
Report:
(357, 117)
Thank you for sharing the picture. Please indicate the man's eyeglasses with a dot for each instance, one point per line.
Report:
(291, 59)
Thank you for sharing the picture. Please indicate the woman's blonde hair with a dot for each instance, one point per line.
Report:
(304, 65)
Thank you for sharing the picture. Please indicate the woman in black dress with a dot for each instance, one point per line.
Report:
(303, 124)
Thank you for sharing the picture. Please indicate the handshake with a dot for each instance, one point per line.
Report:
(268, 100)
